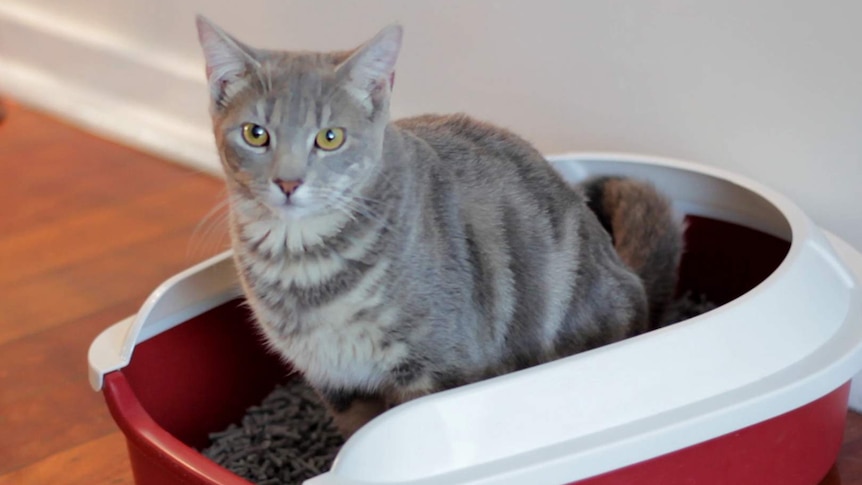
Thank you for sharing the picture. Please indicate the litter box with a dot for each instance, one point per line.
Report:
(752, 392)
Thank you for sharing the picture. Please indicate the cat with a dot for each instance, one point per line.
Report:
(389, 260)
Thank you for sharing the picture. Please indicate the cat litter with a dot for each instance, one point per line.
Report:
(286, 439)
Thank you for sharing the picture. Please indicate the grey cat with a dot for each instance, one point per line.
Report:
(389, 260)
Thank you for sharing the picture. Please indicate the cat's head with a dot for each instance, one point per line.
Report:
(298, 132)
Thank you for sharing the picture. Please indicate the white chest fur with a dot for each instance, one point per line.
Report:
(332, 346)
(329, 344)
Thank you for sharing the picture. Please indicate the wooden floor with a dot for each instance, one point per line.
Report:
(87, 229)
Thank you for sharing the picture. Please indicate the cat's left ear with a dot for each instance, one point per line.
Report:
(369, 71)
(228, 61)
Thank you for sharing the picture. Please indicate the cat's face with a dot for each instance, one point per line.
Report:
(299, 133)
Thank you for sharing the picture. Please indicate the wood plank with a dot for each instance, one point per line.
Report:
(85, 235)
(94, 228)
(848, 470)
(72, 291)
(90, 223)
(46, 404)
(100, 461)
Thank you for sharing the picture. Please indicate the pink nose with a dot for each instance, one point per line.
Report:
(288, 186)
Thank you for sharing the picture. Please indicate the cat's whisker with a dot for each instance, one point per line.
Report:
(202, 241)
(340, 203)
(366, 200)
(361, 208)
(374, 172)
(205, 246)
(328, 195)
(349, 213)
(380, 174)
(217, 236)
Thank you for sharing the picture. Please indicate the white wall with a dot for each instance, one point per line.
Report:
(771, 89)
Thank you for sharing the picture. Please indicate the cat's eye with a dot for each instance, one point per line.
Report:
(329, 139)
(255, 135)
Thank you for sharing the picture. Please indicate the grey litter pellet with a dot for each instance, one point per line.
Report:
(688, 306)
(285, 440)
(289, 438)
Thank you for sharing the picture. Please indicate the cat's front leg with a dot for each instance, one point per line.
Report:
(351, 410)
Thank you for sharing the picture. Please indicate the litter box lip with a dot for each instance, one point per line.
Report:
(783, 384)
(580, 166)
(802, 232)
(831, 364)
(214, 281)
(181, 297)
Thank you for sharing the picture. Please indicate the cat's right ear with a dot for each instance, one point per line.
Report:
(228, 62)
(369, 71)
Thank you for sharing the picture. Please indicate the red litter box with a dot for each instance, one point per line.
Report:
(753, 392)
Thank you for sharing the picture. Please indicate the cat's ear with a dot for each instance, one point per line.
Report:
(228, 61)
(369, 71)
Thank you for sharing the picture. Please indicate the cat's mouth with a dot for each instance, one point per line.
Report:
(291, 212)
(288, 199)
(296, 201)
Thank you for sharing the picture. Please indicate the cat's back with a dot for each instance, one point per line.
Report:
(478, 155)
(457, 136)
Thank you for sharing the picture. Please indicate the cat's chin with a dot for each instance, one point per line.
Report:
(306, 215)
(294, 213)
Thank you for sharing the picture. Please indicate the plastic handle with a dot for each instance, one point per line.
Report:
(180, 298)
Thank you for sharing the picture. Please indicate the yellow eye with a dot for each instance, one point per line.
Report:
(255, 135)
(329, 138)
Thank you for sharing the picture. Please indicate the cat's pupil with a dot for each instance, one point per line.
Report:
(330, 135)
(257, 131)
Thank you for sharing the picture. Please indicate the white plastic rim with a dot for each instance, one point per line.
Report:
(790, 340)
(180, 298)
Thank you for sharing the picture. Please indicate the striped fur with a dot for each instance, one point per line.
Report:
(425, 253)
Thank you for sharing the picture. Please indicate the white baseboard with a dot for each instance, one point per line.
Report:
(106, 85)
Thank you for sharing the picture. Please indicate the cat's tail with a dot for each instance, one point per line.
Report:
(645, 233)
